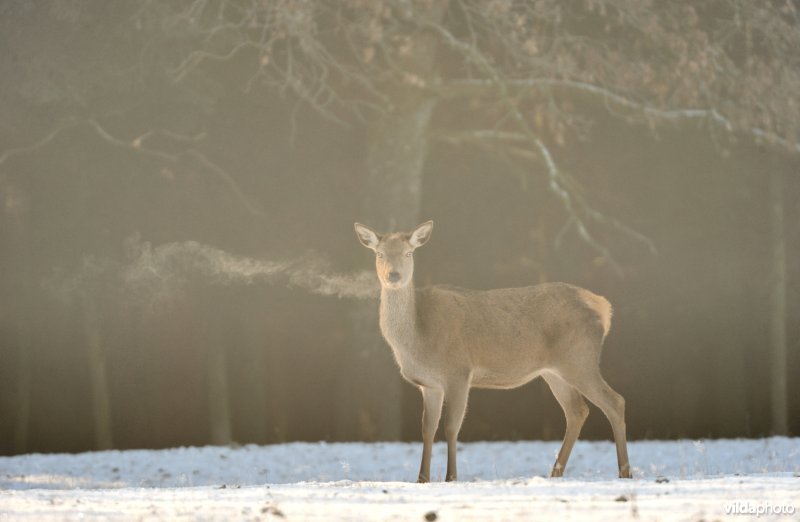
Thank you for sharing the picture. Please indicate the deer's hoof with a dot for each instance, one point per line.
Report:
(422, 480)
(625, 473)
(557, 472)
(451, 478)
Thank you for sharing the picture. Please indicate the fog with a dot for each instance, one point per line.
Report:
(179, 265)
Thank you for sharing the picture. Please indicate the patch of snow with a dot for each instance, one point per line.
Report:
(673, 480)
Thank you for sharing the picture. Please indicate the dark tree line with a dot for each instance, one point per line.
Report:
(265, 128)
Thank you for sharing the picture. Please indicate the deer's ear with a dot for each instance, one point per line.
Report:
(368, 237)
(421, 234)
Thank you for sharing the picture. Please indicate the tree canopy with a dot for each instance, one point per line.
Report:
(515, 78)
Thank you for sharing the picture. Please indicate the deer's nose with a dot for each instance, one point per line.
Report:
(394, 276)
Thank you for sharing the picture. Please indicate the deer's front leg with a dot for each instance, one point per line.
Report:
(432, 399)
(456, 397)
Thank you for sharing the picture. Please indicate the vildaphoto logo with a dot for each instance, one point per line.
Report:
(758, 508)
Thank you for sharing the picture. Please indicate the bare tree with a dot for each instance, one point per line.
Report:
(517, 79)
(530, 74)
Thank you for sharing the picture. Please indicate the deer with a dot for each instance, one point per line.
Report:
(447, 340)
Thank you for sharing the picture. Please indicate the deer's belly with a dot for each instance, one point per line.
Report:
(502, 379)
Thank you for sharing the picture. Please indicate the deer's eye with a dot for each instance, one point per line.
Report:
(408, 254)
(379, 254)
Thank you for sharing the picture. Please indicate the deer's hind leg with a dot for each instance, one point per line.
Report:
(575, 412)
(591, 384)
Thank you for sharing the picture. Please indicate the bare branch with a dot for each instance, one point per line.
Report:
(27, 149)
(477, 136)
(517, 144)
(138, 145)
(566, 198)
(616, 103)
(169, 134)
(198, 156)
(197, 57)
(557, 186)
(132, 145)
(289, 47)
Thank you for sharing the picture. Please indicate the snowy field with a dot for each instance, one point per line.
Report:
(676, 480)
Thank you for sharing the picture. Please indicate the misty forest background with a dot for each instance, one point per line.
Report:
(179, 179)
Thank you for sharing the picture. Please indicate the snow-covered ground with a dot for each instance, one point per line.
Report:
(674, 480)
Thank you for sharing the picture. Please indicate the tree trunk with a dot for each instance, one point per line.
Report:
(777, 308)
(251, 373)
(23, 392)
(218, 400)
(20, 293)
(730, 371)
(371, 392)
(219, 409)
(101, 402)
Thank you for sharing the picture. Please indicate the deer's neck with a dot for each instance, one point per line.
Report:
(398, 317)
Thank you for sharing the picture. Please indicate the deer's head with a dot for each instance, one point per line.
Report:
(394, 252)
